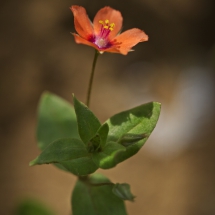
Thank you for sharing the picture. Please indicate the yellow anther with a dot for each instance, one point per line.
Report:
(106, 24)
(101, 22)
(112, 25)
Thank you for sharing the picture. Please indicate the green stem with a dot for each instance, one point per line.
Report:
(91, 78)
(83, 178)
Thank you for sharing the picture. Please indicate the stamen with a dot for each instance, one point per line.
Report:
(101, 22)
(112, 25)
(102, 40)
(106, 24)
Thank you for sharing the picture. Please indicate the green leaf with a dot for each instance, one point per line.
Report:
(123, 191)
(70, 153)
(103, 133)
(81, 166)
(96, 200)
(32, 207)
(88, 124)
(140, 120)
(61, 150)
(106, 158)
(56, 120)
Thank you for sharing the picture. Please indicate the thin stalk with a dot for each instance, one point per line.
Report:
(91, 78)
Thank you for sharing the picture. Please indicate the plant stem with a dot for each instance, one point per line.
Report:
(83, 178)
(91, 78)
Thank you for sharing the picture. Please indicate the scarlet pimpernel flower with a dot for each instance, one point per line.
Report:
(104, 33)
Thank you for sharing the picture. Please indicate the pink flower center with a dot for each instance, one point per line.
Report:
(102, 40)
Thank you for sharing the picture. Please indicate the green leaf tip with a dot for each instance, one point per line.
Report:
(69, 154)
(33, 162)
(123, 191)
(103, 133)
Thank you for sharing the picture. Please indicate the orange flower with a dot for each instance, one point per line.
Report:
(103, 33)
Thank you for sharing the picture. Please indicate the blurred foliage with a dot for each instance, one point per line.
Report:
(32, 207)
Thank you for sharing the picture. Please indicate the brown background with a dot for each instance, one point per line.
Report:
(175, 172)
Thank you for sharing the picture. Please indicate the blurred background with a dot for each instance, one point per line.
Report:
(174, 173)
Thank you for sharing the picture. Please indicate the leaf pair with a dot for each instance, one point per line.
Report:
(74, 139)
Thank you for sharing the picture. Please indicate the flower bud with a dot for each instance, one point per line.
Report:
(94, 144)
(123, 191)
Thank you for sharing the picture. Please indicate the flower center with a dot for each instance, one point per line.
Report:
(102, 39)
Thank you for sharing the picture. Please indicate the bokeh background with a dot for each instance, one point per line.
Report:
(174, 173)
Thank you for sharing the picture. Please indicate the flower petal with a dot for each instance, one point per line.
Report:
(83, 24)
(112, 50)
(108, 13)
(125, 41)
(81, 40)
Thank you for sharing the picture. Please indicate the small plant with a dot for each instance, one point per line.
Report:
(74, 140)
